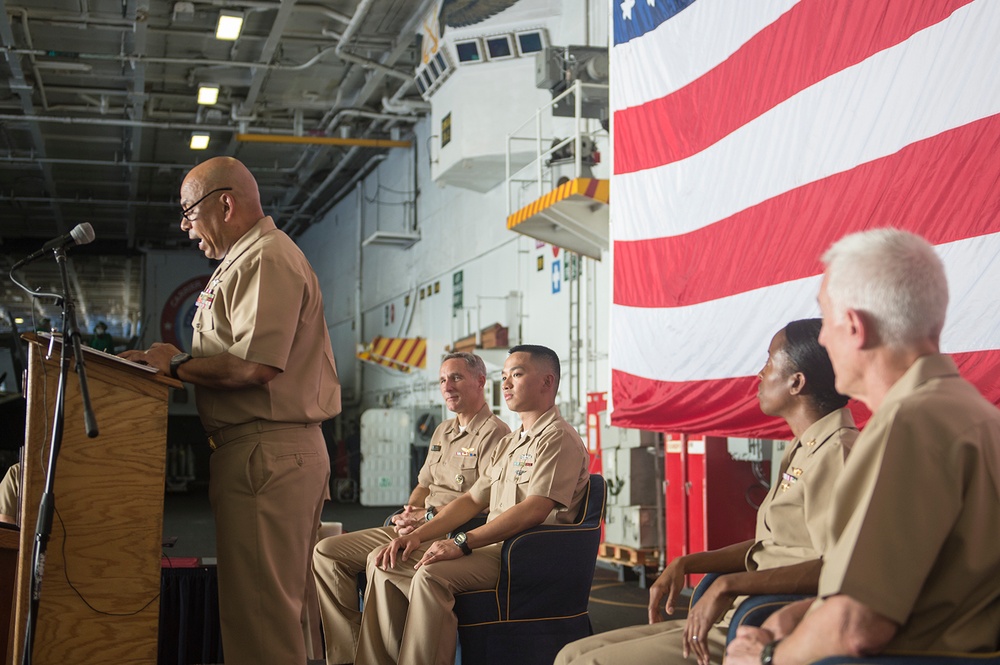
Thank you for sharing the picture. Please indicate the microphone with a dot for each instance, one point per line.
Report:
(81, 234)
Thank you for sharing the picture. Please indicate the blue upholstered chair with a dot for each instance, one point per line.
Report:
(754, 611)
(751, 612)
(540, 602)
(917, 658)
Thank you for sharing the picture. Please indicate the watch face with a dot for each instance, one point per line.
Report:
(460, 539)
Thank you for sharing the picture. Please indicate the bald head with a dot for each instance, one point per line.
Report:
(221, 203)
(221, 172)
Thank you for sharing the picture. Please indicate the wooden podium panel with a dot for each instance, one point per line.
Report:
(101, 584)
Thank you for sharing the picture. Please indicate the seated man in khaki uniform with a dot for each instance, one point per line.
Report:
(538, 475)
(460, 450)
(797, 384)
(915, 562)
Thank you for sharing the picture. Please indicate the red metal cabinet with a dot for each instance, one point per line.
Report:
(706, 505)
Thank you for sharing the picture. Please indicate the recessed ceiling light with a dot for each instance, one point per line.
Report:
(199, 141)
(230, 24)
(208, 94)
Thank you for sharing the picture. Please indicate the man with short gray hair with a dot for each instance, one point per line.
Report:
(460, 450)
(915, 563)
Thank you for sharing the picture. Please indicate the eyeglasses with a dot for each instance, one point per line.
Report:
(185, 211)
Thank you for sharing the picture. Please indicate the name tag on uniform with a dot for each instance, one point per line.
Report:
(435, 448)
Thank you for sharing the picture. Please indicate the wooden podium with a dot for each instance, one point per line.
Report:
(100, 590)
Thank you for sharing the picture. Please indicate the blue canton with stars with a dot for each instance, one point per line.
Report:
(634, 18)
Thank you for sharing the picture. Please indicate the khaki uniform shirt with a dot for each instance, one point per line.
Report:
(10, 491)
(263, 304)
(916, 512)
(457, 458)
(547, 460)
(792, 521)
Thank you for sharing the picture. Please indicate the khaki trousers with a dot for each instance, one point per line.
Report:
(267, 491)
(336, 564)
(409, 615)
(636, 645)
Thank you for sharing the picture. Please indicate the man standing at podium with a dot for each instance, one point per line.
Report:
(264, 376)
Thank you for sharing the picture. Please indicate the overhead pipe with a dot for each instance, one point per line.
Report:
(322, 140)
(256, 4)
(345, 38)
(408, 106)
(54, 15)
(371, 87)
(70, 199)
(341, 165)
(360, 174)
(123, 163)
(124, 122)
(134, 60)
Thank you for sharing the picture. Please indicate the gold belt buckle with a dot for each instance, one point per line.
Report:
(211, 443)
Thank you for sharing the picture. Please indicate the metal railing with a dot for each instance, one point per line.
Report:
(541, 175)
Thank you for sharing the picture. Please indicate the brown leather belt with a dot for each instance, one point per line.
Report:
(230, 433)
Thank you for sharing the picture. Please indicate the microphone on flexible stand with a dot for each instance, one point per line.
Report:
(81, 234)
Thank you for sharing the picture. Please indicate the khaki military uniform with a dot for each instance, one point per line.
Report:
(791, 529)
(269, 472)
(915, 514)
(10, 492)
(408, 615)
(454, 462)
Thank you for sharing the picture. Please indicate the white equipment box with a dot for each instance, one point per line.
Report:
(385, 457)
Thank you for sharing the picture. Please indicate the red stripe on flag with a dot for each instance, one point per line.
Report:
(728, 407)
(943, 188)
(810, 42)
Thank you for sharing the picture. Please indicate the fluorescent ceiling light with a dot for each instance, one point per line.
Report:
(208, 94)
(199, 141)
(19, 320)
(230, 24)
(61, 65)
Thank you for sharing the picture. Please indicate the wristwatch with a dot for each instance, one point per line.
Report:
(177, 361)
(767, 654)
(429, 515)
(461, 540)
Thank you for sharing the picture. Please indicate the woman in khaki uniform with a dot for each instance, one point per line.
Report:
(797, 384)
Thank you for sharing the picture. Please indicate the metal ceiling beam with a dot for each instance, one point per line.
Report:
(137, 96)
(205, 62)
(24, 91)
(372, 87)
(322, 140)
(266, 54)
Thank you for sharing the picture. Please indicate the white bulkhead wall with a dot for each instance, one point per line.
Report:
(460, 230)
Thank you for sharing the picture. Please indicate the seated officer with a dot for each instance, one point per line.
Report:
(460, 449)
(537, 475)
(914, 562)
(797, 384)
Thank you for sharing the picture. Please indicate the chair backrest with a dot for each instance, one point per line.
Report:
(592, 509)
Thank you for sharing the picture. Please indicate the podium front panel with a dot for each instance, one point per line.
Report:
(99, 600)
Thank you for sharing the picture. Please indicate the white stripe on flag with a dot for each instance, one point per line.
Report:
(728, 337)
(660, 62)
(939, 79)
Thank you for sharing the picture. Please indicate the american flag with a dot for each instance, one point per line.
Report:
(748, 137)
